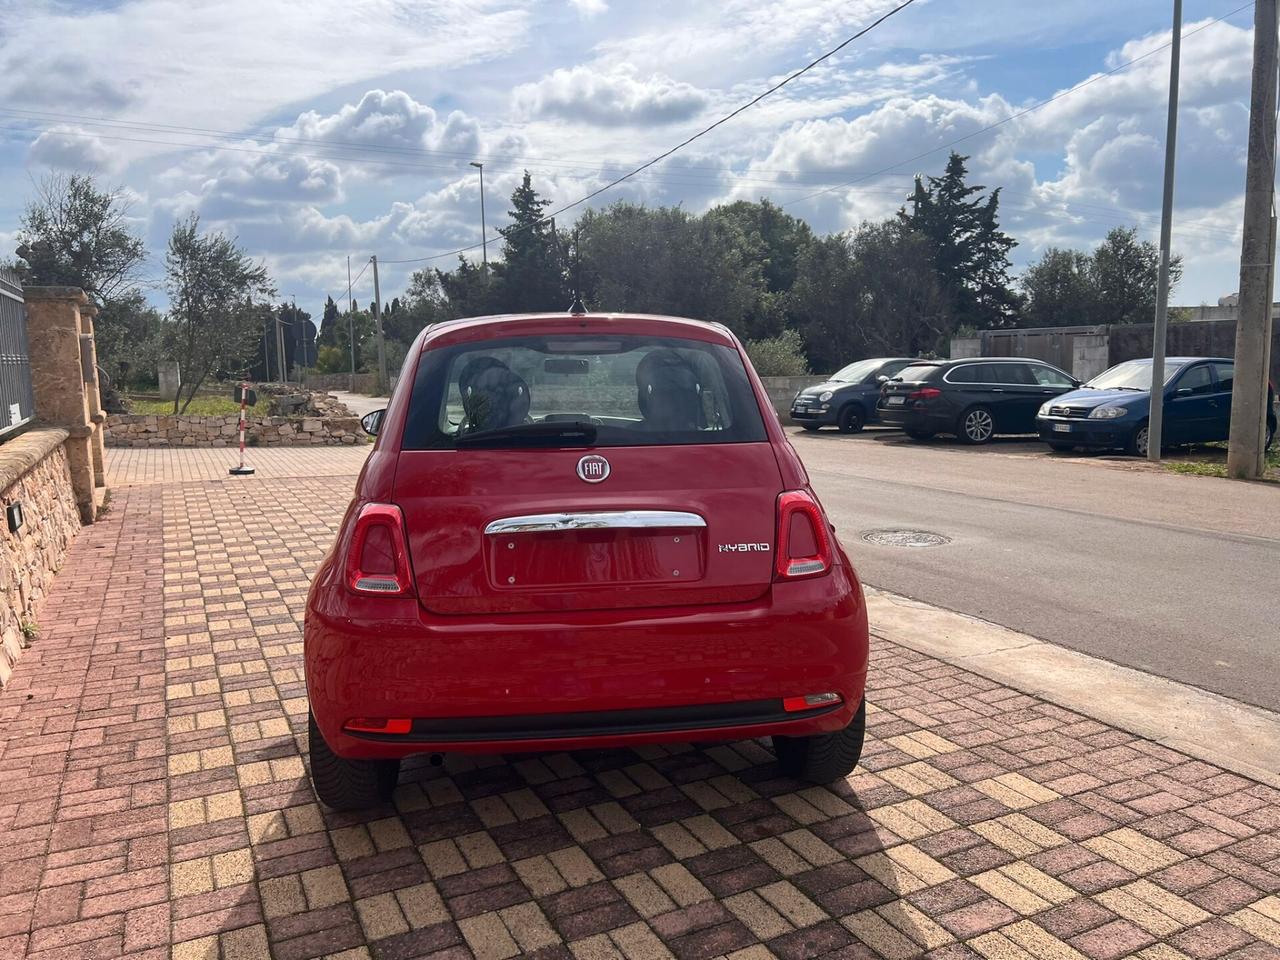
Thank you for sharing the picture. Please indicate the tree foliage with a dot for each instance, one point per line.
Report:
(868, 293)
(76, 234)
(968, 250)
(780, 356)
(1115, 284)
(1125, 271)
(217, 304)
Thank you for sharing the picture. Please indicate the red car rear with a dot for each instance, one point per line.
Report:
(580, 531)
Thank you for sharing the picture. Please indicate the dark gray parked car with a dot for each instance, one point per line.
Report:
(847, 399)
(974, 399)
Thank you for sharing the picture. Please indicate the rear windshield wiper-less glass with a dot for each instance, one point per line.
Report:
(557, 433)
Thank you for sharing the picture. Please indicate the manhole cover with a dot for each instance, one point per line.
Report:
(905, 538)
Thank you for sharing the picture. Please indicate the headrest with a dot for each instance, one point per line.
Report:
(495, 397)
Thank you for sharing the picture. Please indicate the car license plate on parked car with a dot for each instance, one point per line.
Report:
(897, 401)
(1062, 428)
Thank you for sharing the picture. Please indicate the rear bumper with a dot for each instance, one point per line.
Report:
(525, 682)
(916, 418)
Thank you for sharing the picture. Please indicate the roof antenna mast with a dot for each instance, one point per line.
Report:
(576, 308)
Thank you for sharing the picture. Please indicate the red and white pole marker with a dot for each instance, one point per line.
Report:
(242, 470)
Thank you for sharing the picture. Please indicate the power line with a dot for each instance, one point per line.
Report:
(684, 143)
(1021, 113)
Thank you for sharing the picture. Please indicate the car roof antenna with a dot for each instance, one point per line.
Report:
(576, 309)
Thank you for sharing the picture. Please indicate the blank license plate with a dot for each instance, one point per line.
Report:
(897, 401)
(1062, 428)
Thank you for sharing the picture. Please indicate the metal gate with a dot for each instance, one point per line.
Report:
(17, 405)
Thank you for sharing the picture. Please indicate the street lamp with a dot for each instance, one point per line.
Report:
(484, 235)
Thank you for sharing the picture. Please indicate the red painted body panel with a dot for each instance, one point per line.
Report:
(611, 635)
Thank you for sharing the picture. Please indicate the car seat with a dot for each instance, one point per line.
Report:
(494, 397)
(669, 392)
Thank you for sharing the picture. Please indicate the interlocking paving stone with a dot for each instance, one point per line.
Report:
(155, 800)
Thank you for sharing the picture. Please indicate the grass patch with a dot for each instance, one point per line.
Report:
(200, 407)
(1215, 463)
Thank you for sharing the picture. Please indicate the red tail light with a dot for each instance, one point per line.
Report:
(924, 393)
(378, 557)
(804, 542)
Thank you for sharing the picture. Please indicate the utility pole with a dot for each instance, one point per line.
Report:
(484, 233)
(1159, 339)
(1245, 451)
(383, 382)
(281, 366)
(299, 341)
(351, 328)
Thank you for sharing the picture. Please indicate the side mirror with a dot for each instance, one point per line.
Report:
(1077, 383)
(882, 379)
(372, 422)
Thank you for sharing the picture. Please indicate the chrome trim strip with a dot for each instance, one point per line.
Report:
(600, 520)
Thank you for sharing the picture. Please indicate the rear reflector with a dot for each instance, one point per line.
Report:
(378, 558)
(804, 542)
(377, 725)
(811, 701)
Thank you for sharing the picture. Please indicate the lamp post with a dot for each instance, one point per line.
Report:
(484, 234)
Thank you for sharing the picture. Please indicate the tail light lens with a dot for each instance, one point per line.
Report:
(804, 540)
(924, 393)
(378, 557)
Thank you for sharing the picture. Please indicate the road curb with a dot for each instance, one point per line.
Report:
(1213, 728)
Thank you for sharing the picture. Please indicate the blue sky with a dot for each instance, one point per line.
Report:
(320, 130)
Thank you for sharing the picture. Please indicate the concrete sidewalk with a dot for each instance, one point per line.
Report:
(154, 796)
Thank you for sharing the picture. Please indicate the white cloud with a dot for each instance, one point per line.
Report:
(72, 148)
(609, 98)
(589, 8)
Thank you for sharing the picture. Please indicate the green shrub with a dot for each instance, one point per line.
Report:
(780, 356)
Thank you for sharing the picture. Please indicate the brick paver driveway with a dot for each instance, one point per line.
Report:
(154, 798)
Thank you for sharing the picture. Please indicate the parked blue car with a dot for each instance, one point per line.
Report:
(1111, 410)
(846, 399)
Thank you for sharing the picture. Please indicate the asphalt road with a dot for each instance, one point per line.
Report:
(1177, 576)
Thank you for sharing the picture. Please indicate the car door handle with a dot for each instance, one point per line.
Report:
(606, 520)
(1049, 393)
(997, 389)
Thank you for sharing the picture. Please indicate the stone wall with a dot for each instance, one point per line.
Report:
(783, 389)
(33, 472)
(140, 430)
(364, 382)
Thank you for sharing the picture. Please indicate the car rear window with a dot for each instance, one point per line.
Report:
(917, 372)
(635, 390)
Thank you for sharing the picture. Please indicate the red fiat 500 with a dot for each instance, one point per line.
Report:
(580, 531)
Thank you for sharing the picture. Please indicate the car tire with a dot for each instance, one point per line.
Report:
(824, 757)
(1136, 445)
(976, 426)
(852, 419)
(1061, 447)
(919, 434)
(343, 784)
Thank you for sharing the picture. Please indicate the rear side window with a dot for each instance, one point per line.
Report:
(972, 373)
(1226, 376)
(636, 391)
(1018, 374)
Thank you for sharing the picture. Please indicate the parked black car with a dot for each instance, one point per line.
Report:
(975, 399)
(1111, 410)
(846, 399)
